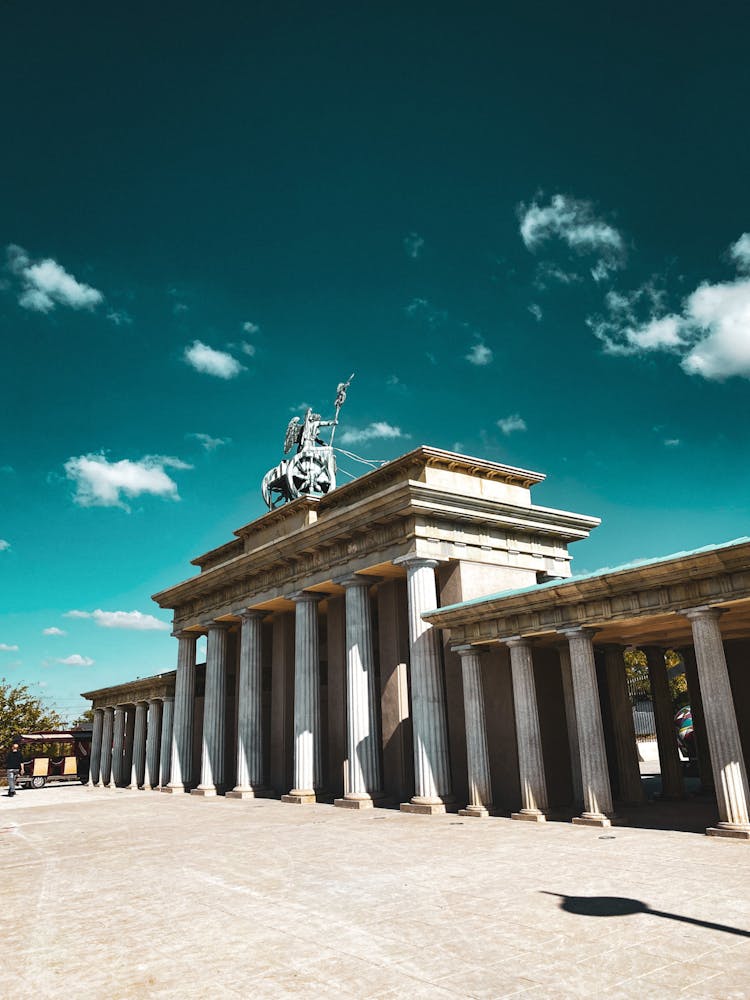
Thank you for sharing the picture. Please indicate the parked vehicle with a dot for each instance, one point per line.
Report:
(61, 756)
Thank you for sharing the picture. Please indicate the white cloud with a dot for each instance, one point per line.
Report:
(575, 223)
(740, 252)
(4, 545)
(377, 430)
(119, 317)
(413, 244)
(250, 328)
(479, 354)
(211, 362)
(76, 660)
(547, 272)
(53, 630)
(207, 442)
(536, 311)
(5, 648)
(672, 442)
(424, 310)
(101, 483)
(45, 284)
(134, 621)
(514, 422)
(247, 348)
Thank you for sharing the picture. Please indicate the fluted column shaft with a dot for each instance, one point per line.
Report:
(165, 763)
(432, 776)
(364, 779)
(597, 793)
(214, 711)
(118, 747)
(699, 719)
(105, 770)
(528, 734)
(570, 722)
(95, 757)
(672, 786)
(250, 770)
(138, 763)
(628, 770)
(153, 731)
(477, 755)
(727, 759)
(307, 744)
(181, 742)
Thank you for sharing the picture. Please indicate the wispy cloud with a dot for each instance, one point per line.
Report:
(76, 660)
(672, 442)
(101, 483)
(709, 333)
(205, 359)
(45, 284)
(119, 317)
(207, 442)
(53, 630)
(424, 310)
(413, 244)
(4, 545)
(575, 223)
(536, 311)
(250, 328)
(479, 354)
(379, 430)
(134, 621)
(7, 648)
(512, 423)
(394, 384)
(740, 252)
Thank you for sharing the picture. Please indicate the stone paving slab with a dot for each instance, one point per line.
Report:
(120, 895)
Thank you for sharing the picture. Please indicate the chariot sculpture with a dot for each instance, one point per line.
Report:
(312, 470)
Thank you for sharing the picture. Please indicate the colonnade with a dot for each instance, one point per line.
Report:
(146, 752)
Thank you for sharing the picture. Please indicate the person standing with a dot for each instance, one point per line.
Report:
(13, 767)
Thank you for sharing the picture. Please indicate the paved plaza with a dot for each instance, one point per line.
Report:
(124, 894)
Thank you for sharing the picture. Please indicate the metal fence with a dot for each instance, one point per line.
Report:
(643, 710)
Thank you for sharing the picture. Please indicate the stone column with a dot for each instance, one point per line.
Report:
(307, 746)
(727, 760)
(105, 771)
(699, 719)
(597, 794)
(250, 776)
(364, 781)
(528, 735)
(153, 730)
(181, 742)
(127, 757)
(631, 789)
(165, 763)
(570, 722)
(672, 786)
(477, 755)
(138, 762)
(118, 747)
(432, 776)
(214, 711)
(95, 757)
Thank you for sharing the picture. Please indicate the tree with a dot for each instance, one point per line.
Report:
(21, 711)
(636, 669)
(86, 716)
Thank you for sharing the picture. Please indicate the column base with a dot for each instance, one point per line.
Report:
(244, 792)
(592, 819)
(299, 797)
(173, 789)
(355, 802)
(730, 830)
(421, 806)
(479, 811)
(207, 791)
(530, 816)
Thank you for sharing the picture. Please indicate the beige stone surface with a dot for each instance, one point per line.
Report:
(110, 895)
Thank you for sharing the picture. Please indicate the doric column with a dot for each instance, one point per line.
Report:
(528, 735)
(477, 755)
(672, 786)
(105, 770)
(250, 776)
(364, 782)
(597, 794)
(629, 773)
(727, 760)
(700, 735)
(153, 731)
(214, 711)
(118, 747)
(570, 722)
(165, 763)
(432, 776)
(181, 742)
(307, 745)
(138, 761)
(95, 757)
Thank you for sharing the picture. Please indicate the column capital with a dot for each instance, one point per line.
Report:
(703, 611)
(301, 596)
(415, 561)
(466, 649)
(144, 702)
(518, 640)
(357, 580)
(220, 626)
(167, 697)
(578, 632)
(250, 613)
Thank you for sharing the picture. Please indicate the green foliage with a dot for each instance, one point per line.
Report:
(21, 712)
(636, 669)
(86, 716)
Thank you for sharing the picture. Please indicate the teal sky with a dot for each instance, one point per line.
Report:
(526, 228)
